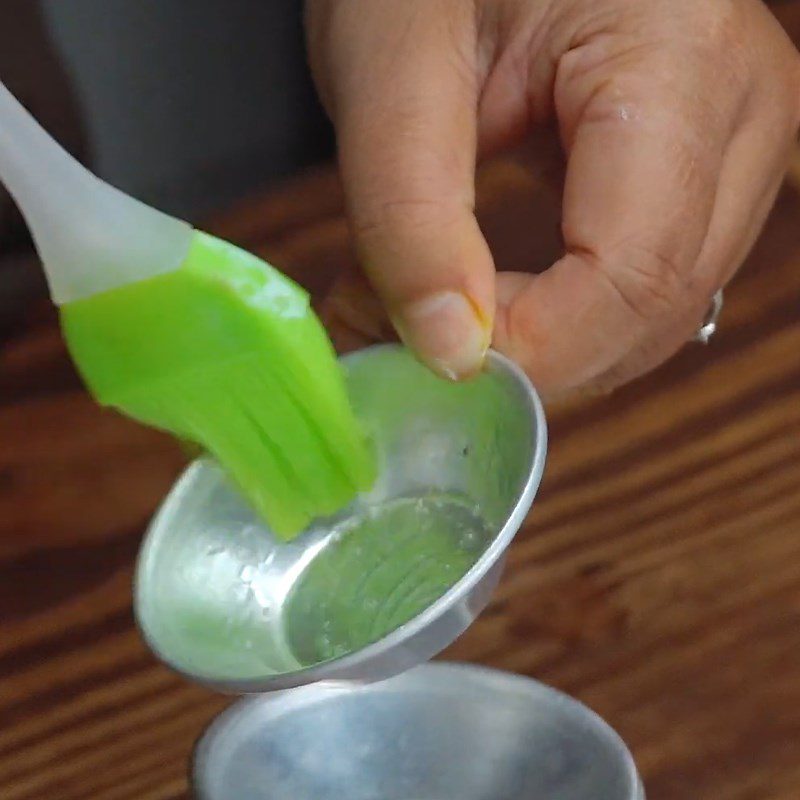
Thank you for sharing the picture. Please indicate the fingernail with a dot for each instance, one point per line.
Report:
(447, 333)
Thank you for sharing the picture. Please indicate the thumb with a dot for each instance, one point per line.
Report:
(403, 96)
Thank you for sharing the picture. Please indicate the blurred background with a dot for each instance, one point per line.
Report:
(185, 105)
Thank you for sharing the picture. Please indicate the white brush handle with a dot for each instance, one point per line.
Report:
(90, 236)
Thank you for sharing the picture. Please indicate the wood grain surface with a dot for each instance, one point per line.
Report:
(657, 580)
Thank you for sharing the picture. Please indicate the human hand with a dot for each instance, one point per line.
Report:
(676, 118)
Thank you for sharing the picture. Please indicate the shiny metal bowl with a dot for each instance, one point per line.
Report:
(382, 587)
(438, 732)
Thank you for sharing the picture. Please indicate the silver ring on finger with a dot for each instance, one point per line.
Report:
(709, 326)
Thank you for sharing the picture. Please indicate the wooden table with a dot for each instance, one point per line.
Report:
(657, 580)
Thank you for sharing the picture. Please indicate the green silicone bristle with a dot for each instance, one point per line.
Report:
(227, 352)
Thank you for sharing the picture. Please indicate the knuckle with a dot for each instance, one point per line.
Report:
(721, 39)
(723, 22)
(649, 282)
(399, 217)
(718, 25)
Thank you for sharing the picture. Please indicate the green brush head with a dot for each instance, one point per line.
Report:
(226, 352)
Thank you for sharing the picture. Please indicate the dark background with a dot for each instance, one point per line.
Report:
(186, 104)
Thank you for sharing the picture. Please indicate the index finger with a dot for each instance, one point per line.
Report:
(644, 158)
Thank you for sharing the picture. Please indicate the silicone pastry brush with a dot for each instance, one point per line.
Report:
(189, 334)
